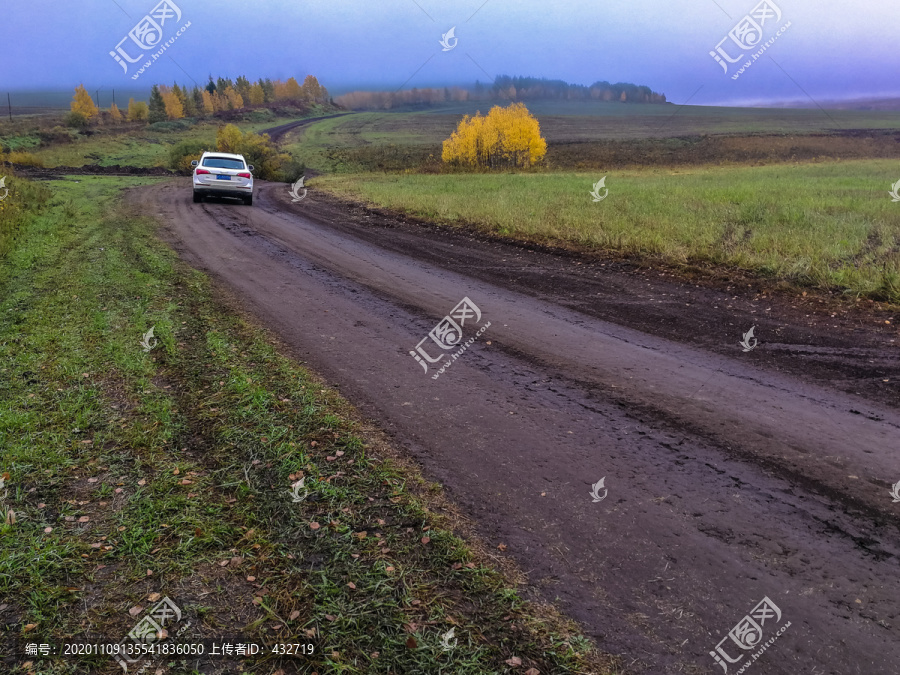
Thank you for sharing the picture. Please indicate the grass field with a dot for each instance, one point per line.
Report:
(829, 225)
(136, 474)
(142, 146)
(605, 135)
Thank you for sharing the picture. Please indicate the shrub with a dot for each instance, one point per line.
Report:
(76, 120)
(268, 163)
(171, 126)
(506, 137)
(55, 135)
(23, 158)
(264, 115)
(181, 154)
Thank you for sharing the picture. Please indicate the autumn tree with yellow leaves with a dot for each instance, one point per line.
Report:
(83, 103)
(505, 137)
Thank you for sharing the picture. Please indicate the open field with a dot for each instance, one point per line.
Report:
(134, 474)
(128, 145)
(603, 135)
(832, 225)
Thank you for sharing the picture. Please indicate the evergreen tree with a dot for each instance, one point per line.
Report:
(211, 87)
(157, 106)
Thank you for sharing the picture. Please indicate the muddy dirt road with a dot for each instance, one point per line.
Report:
(730, 476)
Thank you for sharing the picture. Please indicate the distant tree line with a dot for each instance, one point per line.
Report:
(504, 88)
(177, 102)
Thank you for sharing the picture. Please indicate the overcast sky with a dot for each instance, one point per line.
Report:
(831, 49)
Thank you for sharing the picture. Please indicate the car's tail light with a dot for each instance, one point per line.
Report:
(199, 171)
(245, 175)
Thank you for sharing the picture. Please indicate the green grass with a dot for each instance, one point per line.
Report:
(830, 224)
(133, 473)
(142, 147)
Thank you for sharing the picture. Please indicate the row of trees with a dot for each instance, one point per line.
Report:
(504, 88)
(176, 102)
(505, 137)
(385, 100)
(533, 88)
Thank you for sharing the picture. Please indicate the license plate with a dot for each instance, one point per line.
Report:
(221, 177)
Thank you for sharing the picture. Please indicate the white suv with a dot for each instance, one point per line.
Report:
(223, 174)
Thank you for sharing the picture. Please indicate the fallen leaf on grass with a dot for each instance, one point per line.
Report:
(314, 526)
(456, 566)
(340, 453)
(513, 661)
(425, 540)
(330, 617)
(149, 573)
(352, 585)
(294, 615)
(84, 519)
(48, 530)
(389, 568)
(257, 600)
(501, 547)
(153, 597)
(29, 627)
(93, 480)
(134, 611)
(411, 642)
(142, 481)
(532, 671)
(411, 627)
(176, 471)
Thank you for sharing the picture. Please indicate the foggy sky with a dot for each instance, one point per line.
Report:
(832, 49)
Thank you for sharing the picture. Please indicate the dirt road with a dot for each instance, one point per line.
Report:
(730, 476)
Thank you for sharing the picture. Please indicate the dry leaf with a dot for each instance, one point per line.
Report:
(314, 526)
(48, 530)
(352, 585)
(514, 661)
(134, 611)
(425, 540)
(142, 481)
(92, 480)
(411, 642)
(340, 453)
(257, 600)
(149, 573)
(29, 627)
(294, 615)
(153, 597)
(84, 519)
(251, 578)
(456, 566)
(176, 471)
(389, 568)
(330, 617)
(502, 547)
(532, 671)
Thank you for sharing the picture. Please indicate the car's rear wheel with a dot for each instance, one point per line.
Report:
(198, 198)
(248, 200)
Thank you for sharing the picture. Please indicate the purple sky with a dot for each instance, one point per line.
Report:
(831, 51)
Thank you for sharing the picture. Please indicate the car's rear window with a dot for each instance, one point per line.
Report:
(223, 163)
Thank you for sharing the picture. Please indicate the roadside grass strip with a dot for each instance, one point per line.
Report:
(135, 475)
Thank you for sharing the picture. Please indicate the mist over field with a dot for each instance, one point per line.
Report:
(832, 51)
